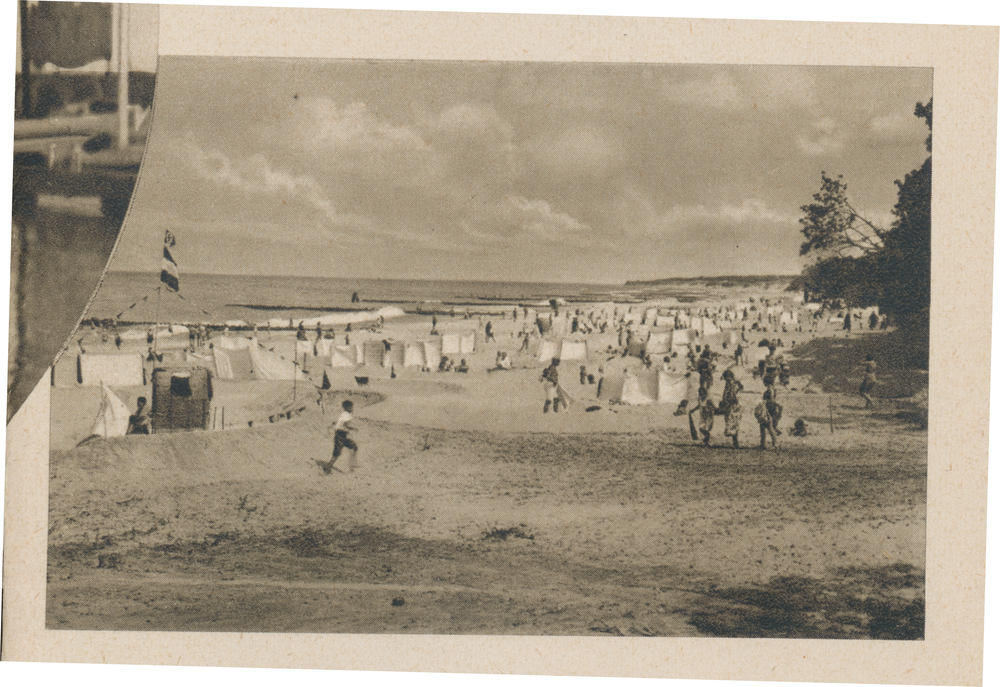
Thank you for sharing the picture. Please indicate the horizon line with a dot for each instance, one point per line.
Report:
(480, 281)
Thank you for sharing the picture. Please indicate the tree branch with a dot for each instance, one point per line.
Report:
(878, 232)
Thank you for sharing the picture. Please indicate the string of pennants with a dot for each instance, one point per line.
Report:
(145, 299)
(141, 300)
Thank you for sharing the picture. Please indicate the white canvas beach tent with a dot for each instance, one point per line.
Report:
(659, 342)
(233, 363)
(573, 350)
(451, 344)
(681, 337)
(547, 350)
(268, 365)
(414, 355)
(343, 356)
(232, 343)
(564, 349)
(322, 348)
(112, 417)
(124, 369)
(395, 356)
(708, 327)
(432, 353)
(643, 387)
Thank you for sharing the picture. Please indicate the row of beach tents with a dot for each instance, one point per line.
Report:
(251, 361)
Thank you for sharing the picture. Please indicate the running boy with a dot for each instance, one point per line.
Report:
(342, 440)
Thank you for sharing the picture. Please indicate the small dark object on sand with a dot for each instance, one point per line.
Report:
(800, 429)
(398, 601)
(593, 408)
(361, 381)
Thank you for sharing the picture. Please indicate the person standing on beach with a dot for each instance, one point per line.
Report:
(706, 369)
(869, 382)
(771, 364)
(730, 406)
(342, 439)
(766, 421)
(706, 415)
(489, 332)
(550, 381)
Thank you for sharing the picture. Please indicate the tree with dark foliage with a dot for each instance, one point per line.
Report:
(859, 263)
(905, 261)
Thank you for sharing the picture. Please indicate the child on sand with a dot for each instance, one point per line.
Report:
(342, 440)
(764, 418)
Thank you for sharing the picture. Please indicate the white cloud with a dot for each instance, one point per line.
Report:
(256, 175)
(638, 217)
(897, 127)
(826, 139)
(749, 211)
(540, 219)
(321, 123)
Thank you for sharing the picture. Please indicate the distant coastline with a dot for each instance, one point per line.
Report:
(734, 280)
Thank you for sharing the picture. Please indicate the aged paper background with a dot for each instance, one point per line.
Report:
(965, 82)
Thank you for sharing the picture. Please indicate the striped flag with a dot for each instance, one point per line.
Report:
(168, 270)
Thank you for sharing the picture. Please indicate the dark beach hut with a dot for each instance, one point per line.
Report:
(182, 399)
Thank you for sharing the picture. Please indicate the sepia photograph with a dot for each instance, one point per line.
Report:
(440, 347)
(452, 347)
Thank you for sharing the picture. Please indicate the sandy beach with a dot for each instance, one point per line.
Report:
(472, 511)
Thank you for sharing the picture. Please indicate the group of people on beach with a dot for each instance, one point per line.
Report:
(767, 412)
(701, 361)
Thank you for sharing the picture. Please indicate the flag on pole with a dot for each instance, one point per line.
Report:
(168, 270)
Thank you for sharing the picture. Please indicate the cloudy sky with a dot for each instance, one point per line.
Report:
(514, 171)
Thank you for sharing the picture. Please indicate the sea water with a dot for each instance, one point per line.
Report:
(140, 297)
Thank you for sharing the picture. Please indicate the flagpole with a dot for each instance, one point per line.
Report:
(157, 318)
